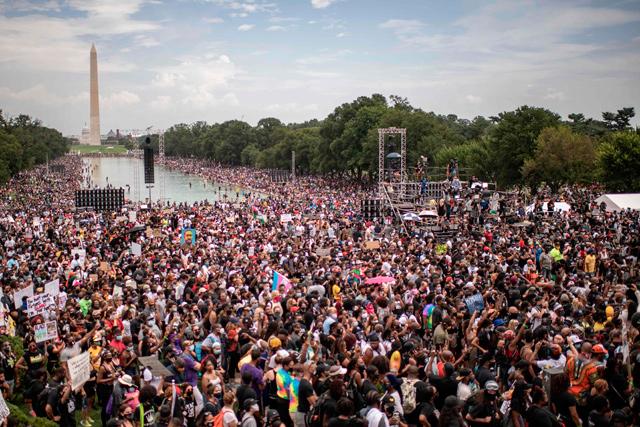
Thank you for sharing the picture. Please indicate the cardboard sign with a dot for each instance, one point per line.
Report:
(52, 288)
(40, 303)
(46, 331)
(121, 219)
(104, 266)
(136, 249)
(372, 244)
(323, 252)
(62, 301)
(157, 369)
(17, 295)
(93, 278)
(79, 368)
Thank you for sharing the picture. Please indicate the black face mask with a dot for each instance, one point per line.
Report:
(491, 396)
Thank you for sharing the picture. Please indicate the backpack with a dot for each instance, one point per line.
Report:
(314, 416)
(40, 404)
(217, 419)
(408, 390)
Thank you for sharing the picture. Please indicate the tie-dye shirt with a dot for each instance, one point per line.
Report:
(293, 395)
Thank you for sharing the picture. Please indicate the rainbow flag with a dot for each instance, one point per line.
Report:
(428, 313)
(280, 279)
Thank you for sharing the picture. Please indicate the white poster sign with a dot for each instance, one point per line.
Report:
(46, 331)
(136, 249)
(17, 295)
(40, 303)
(82, 255)
(133, 216)
(286, 218)
(53, 287)
(79, 369)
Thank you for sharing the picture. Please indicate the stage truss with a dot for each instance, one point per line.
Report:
(382, 133)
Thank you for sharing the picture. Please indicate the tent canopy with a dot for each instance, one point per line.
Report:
(618, 202)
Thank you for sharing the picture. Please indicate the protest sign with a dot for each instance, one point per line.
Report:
(372, 244)
(133, 216)
(157, 369)
(286, 218)
(188, 236)
(104, 266)
(52, 288)
(323, 252)
(79, 368)
(62, 301)
(46, 331)
(82, 253)
(474, 303)
(17, 295)
(136, 249)
(40, 303)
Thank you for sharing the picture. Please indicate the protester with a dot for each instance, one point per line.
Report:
(292, 309)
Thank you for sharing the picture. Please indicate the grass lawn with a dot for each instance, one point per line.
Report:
(106, 149)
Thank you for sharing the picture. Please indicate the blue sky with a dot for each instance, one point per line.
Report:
(163, 62)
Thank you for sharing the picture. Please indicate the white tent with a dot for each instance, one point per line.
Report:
(557, 207)
(618, 202)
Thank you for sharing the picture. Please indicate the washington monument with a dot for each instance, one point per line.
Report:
(94, 101)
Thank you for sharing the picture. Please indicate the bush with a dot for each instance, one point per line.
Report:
(16, 344)
(25, 420)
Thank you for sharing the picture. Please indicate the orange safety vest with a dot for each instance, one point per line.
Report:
(582, 375)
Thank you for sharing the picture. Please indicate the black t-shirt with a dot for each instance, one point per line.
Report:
(339, 422)
(562, 403)
(429, 411)
(541, 417)
(245, 392)
(305, 390)
(596, 419)
(481, 410)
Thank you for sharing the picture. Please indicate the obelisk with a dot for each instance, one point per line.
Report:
(94, 101)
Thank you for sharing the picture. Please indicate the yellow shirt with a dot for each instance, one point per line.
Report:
(590, 263)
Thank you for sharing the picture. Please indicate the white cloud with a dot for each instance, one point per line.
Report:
(248, 6)
(324, 57)
(214, 20)
(245, 27)
(340, 35)
(321, 4)
(555, 95)
(119, 99)
(290, 107)
(49, 43)
(146, 41)
(39, 94)
(199, 81)
(238, 15)
(276, 28)
(161, 102)
(472, 99)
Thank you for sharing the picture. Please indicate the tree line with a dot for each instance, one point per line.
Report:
(528, 145)
(25, 142)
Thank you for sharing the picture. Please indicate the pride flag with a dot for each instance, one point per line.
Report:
(280, 279)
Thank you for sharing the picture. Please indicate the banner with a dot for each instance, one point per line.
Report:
(46, 331)
(79, 368)
(17, 295)
(323, 252)
(52, 288)
(40, 303)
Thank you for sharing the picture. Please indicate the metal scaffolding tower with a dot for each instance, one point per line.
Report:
(161, 162)
(137, 158)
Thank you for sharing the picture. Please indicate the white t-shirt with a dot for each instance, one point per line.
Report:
(228, 417)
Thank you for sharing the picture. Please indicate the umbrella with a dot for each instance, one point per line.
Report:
(410, 217)
(378, 280)
(428, 213)
(137, 228)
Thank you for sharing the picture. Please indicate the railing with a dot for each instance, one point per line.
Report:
(385, 193)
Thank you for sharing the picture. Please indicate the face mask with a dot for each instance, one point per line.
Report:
(217, 352)
(130, 348)
(255, 408)
(119, 337)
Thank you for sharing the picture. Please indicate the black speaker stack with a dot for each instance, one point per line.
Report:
(148, 162)
(110, 199)
(371, 208)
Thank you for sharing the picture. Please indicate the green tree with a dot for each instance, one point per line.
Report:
(513, 139)
(619, 120)
(619, 160)
(561, 157)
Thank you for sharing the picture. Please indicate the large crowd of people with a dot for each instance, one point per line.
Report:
(287, 308)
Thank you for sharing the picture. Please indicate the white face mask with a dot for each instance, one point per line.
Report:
(255, 408)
